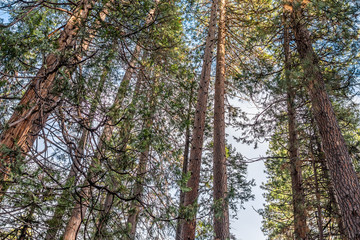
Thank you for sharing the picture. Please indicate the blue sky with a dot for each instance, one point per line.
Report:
(248, 224)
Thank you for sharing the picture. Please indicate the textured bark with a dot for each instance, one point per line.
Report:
(188, 229)
(39, 100)
(135, 207)
(317, 195)
(184, 167)
(221, 209)
(334, 206)
(55, 222)
(80, 208)
(342, 172)
(109, 200)
(300, 227)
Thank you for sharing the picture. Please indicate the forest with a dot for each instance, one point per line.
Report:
(118, 118)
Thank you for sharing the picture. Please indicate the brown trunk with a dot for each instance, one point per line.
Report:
(221, 208)
(121, 94)
(317, 194)
(188, 230)
(334, 206)
(39, 100)
(136, 206)
(104, 215)
(109, 200)
(55, 222)
(300, 226)
(184, 167)
(81, 206)
(342, 172)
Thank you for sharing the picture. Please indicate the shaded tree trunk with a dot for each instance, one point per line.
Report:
(80, 207)
(135, 207)
(39, 100)
(298, 195)
(221, 206)
(184, 166)
(190, 201)
(109, 199)
(55, 222)
(342, 172)
(317, 194)
(334, 206)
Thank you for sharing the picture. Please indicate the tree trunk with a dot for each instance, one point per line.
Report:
(39, 100)
(342, 172)
(81, 206)
(104, 215)
(110, 197)
(300, 226)
(184, 167)
(135, 207)
(55, 222)
(334, 206)
(317, 194)
(221, 207)
(109, 200)
(188, 229)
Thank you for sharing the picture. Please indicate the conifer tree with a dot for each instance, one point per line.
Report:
(343, 175)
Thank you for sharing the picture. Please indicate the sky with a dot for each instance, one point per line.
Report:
(248, 224)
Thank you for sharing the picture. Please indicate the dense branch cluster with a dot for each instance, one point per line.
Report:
(114, 117)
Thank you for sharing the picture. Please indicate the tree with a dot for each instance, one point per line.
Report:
(188, 231)
(221, 209)
(39, 99)
(343, 175)
(296, 173)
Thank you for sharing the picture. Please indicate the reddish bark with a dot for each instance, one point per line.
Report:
(342, 172)
(221, 209)
(188, 230)
(184, 167)
(80, 207)
(300, 226)
(39, 100)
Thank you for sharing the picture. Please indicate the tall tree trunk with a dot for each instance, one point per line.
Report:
(109, 199)
(343, 175)
(188, 229)
(300, 226)
(185, 165)
(317, 194)
(136, 207)
(39, 100)
(221, 208)
(334, 206)
(55, 222)
(80, 207)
